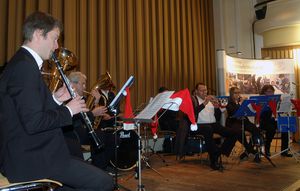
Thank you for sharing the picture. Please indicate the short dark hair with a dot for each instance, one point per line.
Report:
(198, 84)
(39, 20)
(265, 88)
(231, 91)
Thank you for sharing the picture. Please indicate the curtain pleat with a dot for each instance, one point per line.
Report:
(160, 42)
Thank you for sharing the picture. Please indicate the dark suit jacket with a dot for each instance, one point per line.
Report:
(231, 108)
(32, 143)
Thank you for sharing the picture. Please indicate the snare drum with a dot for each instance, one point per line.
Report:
(127, 152)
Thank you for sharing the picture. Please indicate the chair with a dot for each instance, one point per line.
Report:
(36, 185)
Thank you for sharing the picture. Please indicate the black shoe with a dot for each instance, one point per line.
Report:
(257, 158)
(286, 155)
(110, 170)
(267, 153)
(244, 156)
(214, 161)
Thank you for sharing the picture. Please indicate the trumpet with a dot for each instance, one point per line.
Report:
(98, 142)
(87, 92)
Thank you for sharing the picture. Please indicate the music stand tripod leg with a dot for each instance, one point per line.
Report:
(140, 186)
(260, 152)
(294, 154)
(147, 147)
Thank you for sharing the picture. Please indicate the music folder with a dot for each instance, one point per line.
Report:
(264, 100)
(245, 109)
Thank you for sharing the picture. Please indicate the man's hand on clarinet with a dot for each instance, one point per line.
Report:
(62, 94)
(77, 105)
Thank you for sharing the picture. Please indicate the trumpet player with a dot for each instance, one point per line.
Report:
(32, 144)
(236, 123)
(208, 114)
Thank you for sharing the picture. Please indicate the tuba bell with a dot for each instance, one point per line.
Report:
(68, 62)
(104, 82)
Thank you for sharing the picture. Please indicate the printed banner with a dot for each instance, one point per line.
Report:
(251, 75)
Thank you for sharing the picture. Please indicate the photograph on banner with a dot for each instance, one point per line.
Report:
(251, 75)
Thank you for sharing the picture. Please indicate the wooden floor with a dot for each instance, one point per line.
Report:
(194, 174)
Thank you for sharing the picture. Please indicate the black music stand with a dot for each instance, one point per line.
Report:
(112, 109)
(263, 101)
(287, 123)
(145, 116)
(244, 111)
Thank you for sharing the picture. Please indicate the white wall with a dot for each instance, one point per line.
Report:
(233, 21)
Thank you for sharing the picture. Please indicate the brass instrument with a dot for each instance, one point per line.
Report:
(104, 82)
(68, 62)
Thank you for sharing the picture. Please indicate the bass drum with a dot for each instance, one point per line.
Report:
(127, 151)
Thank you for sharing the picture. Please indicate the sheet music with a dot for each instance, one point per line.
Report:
(154, 106)
(285, 104)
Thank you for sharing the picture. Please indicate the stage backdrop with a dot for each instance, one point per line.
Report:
(250, 75)
(161, 43)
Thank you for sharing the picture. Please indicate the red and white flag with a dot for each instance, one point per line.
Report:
(128, 111)
(182, 101)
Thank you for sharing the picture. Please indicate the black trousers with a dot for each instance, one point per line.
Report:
(207, 131)
(101, 158)
(229, 134)
(82, 176)
(270, 127)
(248, 126)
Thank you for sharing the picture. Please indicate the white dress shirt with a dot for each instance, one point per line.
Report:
(207, 115)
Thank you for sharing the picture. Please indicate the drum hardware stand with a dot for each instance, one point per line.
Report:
(116, 185)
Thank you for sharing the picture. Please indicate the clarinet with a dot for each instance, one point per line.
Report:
(98, 142)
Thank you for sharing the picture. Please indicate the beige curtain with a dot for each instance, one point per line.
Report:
(159, 42)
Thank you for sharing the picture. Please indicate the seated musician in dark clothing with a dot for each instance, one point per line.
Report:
(173, 121)
(208, 114)
(101, 158)
(269, 124)
(76, 134)
(233, 105)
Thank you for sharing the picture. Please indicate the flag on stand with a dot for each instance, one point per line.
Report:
(257, 108)
(128, 111)
(273, 106)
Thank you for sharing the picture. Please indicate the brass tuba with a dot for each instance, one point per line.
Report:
(68, 62)
(104, 82)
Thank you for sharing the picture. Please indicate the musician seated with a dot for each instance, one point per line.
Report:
(269, 124)
(208, 115)
(77, 134)
(172, 121)
(234, 103)
(105, 129)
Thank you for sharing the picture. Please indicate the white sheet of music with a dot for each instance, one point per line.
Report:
(285, 104)
(154, 106)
